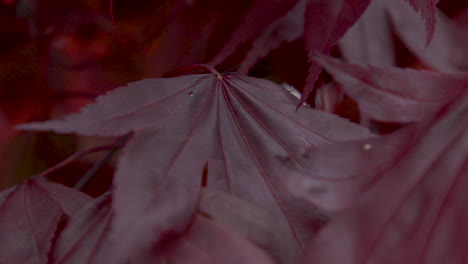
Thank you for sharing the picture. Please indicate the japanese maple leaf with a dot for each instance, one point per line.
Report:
(235, 123)
(224, 230)
(29, 217)
(249, 221)
(402, 197)
(428, 11)
(209, 242)
(447, 48)
(84, 236)
(370, 40)
(326, 22)
(228, 230)
(393, 94)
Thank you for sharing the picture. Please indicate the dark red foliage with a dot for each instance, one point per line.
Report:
(237, 124)
(85, 233)
(326, 22)
(225, 167)
(394, 94)
(223, 230)
(400, 195)
(30, 215)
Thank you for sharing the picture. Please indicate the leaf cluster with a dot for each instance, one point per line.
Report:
(292, 131)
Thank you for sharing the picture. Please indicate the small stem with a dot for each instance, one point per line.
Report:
(98, 165)
(74, 157)
(192, 69)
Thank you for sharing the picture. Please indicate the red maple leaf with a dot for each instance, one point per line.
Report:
(326, 22)
(371, 39)
(30, 214)
(223, 230)
(428, 11)
(393, 94)
(237, 124)
(402, 197)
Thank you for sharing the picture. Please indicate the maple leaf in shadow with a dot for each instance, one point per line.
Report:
(30, 215)
(394, 94)
(238, 124)
(224, 229)
(401, 198)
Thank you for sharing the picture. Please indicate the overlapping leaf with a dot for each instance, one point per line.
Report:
(394, 94)
(402, 196)
(209, 242)
(259, 227)
(228, 230)
(236, 123)
(85, 235)
(29, 217)
(428, 11)
(369, 41)
(326, 22)
(448, 47)
(224, 230)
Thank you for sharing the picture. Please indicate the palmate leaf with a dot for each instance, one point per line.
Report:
(393, 94)
(30, 214)
(237, 124)
(402, 197)
(224, 230)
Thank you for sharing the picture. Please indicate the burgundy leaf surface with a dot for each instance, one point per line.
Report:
(29, 217)
(209, 242)
(326, 22)
(257, 226)
(212, 236)
(410, 208)
(235, 123)
(369, 40)
(428, 11)
(229, 230)
(448, 47)
(394, 94)
(69, 199)
(84, 236)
